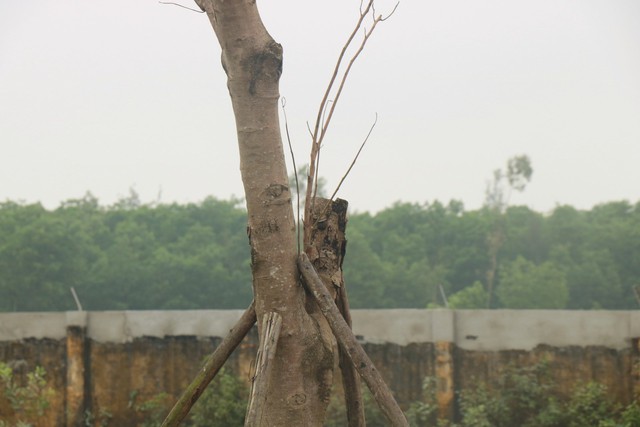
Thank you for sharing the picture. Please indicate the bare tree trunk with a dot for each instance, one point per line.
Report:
(253, 63)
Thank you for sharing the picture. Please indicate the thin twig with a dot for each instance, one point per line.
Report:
(353, 162)
(317, 162)
(337, 67)
(325, 125)
(295, 169)
(382, 19)
(179, 5)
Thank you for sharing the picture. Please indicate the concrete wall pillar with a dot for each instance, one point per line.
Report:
(76, 346)
(443, 330)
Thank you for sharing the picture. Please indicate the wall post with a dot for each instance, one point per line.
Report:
(76, 341)
(443, 329)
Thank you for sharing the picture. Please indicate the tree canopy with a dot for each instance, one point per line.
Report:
(132, 255)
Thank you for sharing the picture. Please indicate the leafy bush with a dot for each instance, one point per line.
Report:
(337, 413)
(423, 413)
(223, 403)
(528, 397)
(28, 402)
(152, 410)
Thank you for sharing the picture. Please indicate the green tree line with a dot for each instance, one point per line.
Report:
(132, 255)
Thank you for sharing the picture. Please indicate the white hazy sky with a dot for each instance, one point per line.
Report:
(104, 96)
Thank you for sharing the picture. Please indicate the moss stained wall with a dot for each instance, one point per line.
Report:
(121, 374)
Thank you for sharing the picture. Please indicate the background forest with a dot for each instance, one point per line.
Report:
(195, 256)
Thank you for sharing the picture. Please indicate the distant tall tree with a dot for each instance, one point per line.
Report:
(497, 195)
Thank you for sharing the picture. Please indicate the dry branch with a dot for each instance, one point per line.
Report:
(267, 351)
(324, 118)
(211, 367)
(346, 339)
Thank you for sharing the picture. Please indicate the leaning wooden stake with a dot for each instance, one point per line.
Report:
(348, 343)
(350, 378)
(210, 369)
(268, 345)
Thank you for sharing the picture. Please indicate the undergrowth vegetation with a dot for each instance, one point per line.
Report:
(528, 397)
(524, 396)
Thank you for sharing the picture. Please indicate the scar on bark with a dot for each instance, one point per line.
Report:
(265, 64)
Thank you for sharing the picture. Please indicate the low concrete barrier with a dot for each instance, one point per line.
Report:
(98, 360)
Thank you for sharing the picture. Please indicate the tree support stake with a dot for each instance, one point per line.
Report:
(347, 341)
(211, 368)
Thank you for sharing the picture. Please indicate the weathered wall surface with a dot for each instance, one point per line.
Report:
(109, 361)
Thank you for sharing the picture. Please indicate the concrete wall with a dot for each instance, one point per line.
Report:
(105, 361)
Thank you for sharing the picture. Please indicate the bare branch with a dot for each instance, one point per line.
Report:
(316, 138)
(382, 19)
(179, 5)
(323, 119)
(353, 162)
(344, 177)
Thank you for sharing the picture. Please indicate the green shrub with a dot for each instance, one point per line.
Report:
(528, 397)
(223, 403)
(28, 402)
(424, 412)
(337, 413)
(153, 410)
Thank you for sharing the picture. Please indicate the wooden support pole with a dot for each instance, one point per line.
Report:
(381, 393)
(271, 326)
(211, 367)
(350, 379)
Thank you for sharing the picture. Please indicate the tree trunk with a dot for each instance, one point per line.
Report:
(297, 394)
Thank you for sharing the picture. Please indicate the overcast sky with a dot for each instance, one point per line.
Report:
(107, 96)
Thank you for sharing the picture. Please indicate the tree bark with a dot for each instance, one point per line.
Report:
(326, 251)
(252, 61)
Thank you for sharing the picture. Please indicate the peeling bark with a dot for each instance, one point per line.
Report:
(326, 251)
